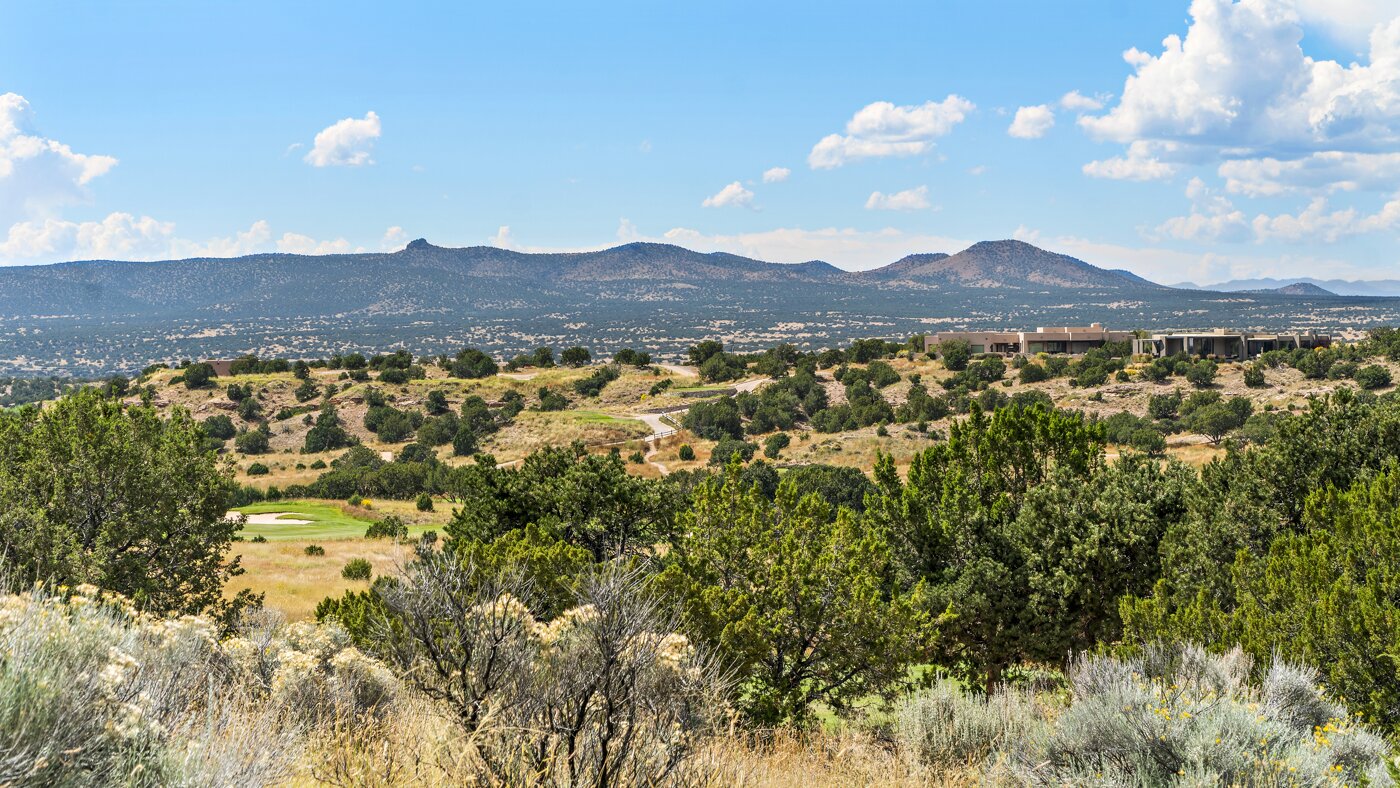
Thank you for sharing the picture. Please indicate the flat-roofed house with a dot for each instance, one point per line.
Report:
(1226, 344)
(1045, 339)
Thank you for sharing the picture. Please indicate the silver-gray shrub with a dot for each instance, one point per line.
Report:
(94, 693)
(947, 726)
(1181, 716)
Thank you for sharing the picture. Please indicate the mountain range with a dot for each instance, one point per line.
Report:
(1340, 287)
(427, 278)
(96, 316)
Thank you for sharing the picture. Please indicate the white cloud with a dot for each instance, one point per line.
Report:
(915, 199)
(38, 175)
(1169, 266)
(345, 143)
(123, 236)
(883, 129)
(502, 238)
(733, 194)
(295, 243)
(1349, 21)
(977, 170)
(645, 146)
(1240, 84)
(776, 174)
(394, 239)
(1325, 171)
(1140, 164)
(254, 239)
(1212, 218)
(1074, 101)
(1318, 222)
(1032, 122)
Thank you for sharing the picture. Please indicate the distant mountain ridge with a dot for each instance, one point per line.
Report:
(1008, 264)
(1336, 287)
(91, 318)
(427, 278)
(1295, 289)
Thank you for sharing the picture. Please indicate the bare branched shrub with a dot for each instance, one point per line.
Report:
(605, 694)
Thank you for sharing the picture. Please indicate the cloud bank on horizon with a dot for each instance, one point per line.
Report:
(1262, 139)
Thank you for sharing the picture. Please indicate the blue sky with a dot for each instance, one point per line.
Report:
(1264, 141)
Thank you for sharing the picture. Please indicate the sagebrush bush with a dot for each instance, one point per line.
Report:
(1181, 716)
(945, 725)
(94, 693)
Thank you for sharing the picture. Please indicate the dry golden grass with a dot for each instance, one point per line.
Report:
(532, 431)
(417, 746)
(791, 759)
(295, 582)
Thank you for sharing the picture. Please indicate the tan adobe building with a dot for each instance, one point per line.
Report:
(1045, 339)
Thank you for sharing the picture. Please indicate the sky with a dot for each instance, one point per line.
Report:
(1184, 140)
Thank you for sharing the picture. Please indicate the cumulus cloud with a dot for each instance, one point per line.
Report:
(124, 236)
(776, 174)
(1032, 122)
(1169, 266)
(1348, 21)
(1212, 218)
(1240, 85)
(884, 129)
(394, 239)
(1141, 163)
(345, 143)
(733, 194)
(1074, 101)
(38, 175)
(1319, 222)
(1325, 171)
(915, 199)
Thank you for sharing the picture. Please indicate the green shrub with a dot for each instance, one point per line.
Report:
(425, 502)
(592, 385)
(685, 453)
(257, 469)
(258, 539)
(318, 465)
(1373, 376)
(726, 449)
(1202, 373)
(314, 549)
(636, 458)
(1254, 376)
(774, 445)
(251, 442)
(388, 527)
(356, 569)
